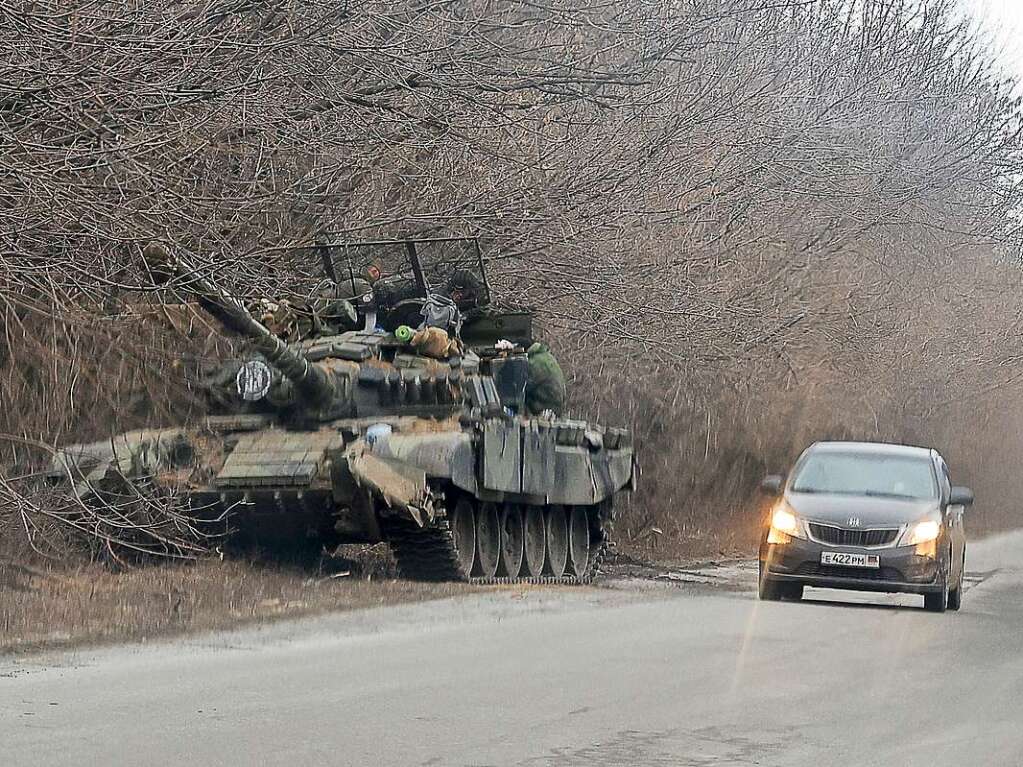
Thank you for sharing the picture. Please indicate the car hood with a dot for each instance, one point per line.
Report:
(871, 511)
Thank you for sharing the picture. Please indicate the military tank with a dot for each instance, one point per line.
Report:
(365, 436)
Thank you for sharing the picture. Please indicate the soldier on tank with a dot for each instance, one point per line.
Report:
(336, 315)
(356, 288)
(465, 289)
(323, 313)
(331, 310)
(276, 315)
(545, 387)
(390, 291)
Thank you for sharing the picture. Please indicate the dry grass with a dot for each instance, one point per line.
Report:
(708, 544)
(53, 607)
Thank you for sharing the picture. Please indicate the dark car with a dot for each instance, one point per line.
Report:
(866, 516)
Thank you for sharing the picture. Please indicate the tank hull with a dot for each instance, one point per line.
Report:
(252, 478)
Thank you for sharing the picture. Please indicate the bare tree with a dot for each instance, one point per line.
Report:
(750, 221)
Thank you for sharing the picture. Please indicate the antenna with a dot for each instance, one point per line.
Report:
(483, 269)
(328, 262)
(417, 267)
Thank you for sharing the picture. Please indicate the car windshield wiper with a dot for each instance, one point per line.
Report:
(879, 494)
(824, 491)
(866, 493)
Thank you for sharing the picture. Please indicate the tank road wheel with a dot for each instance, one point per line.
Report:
(512, 534)
(463, 534)
(557, 541)
(488, 540)
(578, 541)
(534, 548)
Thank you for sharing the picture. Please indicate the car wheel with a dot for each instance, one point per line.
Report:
(793, 591)
(938, 601)
(769, 590)
(955, 596)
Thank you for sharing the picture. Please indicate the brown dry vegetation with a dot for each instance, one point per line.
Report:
(82, 603)
(746, 223)
(89, 604)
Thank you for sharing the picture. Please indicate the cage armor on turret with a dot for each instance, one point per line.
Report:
(365, 436)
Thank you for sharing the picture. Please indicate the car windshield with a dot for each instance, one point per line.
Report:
(896, 476)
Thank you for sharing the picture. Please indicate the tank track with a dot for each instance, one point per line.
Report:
(428, 554)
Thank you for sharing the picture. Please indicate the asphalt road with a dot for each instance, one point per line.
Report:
(688, 671)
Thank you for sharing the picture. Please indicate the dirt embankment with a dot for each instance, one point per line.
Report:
(50, 604)
(46, 605)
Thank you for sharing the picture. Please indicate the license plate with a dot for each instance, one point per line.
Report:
(845, 559)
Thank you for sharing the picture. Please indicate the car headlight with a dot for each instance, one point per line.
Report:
(922, 532)
(784, 525)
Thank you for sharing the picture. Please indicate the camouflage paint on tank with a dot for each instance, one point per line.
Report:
(455, 428)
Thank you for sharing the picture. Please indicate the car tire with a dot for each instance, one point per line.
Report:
(793, 591)
(772, 591)
(955, 596)
(937, 602)
(768, 590)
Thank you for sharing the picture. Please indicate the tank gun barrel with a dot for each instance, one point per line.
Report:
(313, 382)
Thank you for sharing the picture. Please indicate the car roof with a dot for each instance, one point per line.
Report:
(875, 448)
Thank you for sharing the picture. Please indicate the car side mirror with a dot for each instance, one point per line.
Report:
(960, 496)
(771, 484)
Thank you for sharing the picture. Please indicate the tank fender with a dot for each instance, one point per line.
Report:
(128, 454)
(398, 484)
(448, 455)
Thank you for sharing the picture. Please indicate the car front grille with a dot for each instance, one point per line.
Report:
(839, 536)
(862, 573)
